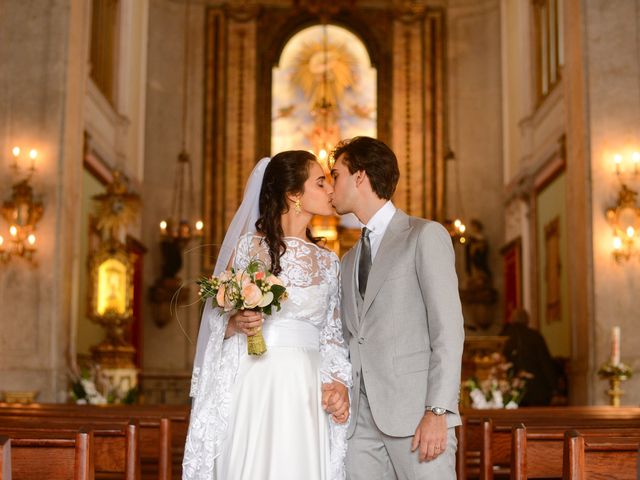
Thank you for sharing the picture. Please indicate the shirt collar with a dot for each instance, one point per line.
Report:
(381, 219)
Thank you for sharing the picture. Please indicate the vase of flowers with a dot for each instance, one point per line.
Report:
(502, 388)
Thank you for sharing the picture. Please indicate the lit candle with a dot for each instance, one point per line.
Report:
(199, 225)
(16, 153)
(13, 230)
(617, 158)
(32, 240)
(163, 227)
(615, 346)
(636, 161)
(617, 243)
(33, 154)
(1, 243)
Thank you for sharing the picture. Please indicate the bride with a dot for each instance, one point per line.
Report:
(262, 417)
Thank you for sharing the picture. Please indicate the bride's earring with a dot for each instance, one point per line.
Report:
(298, 206)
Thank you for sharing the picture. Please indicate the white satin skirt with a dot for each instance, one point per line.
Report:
(278, 429)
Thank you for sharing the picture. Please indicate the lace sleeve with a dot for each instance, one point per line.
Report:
(334, 353)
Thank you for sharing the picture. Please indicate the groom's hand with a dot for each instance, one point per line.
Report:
(430, 436)
(335, 400)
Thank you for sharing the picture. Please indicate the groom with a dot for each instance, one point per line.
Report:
(401, 308)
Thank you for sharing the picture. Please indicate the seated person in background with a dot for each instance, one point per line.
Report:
(528, 351)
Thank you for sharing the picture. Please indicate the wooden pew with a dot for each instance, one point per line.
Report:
(476, 456)
(153, 435)
(115, 447)
(538, 452)
(5, 458)
(600, 457)
(155, 450)
(53, 458)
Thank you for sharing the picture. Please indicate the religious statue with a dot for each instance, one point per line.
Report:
(478, 294)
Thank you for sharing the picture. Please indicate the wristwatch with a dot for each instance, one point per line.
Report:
(437, 411)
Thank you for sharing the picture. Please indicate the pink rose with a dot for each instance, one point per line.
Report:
(273, 280)
(252, 295)
(220, 297)
(260, 275)
(225, 276)
(242, 278)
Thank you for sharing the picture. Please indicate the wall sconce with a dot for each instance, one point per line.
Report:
(22, 211)
(624, 218)
(631, 165)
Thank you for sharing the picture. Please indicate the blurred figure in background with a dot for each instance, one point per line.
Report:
(527, 350)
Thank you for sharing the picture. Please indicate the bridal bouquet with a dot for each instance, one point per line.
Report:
(254, 288)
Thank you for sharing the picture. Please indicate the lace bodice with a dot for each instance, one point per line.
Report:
(312, 277)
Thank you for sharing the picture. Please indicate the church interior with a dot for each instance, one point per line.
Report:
(128, 129)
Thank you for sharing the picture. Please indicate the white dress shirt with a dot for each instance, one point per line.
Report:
(378, 226)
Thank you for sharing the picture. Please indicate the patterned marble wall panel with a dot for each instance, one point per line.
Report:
(418, 110)
(230, 99)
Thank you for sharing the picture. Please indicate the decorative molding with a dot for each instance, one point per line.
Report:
(240, 120)
(418, 110)
(214, 136)
(407, 115)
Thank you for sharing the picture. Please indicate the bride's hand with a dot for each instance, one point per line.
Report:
(335, 400)
(246, 321)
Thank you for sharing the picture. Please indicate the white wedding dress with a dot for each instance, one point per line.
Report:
(261, 417)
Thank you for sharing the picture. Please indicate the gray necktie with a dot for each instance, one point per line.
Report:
(364, 263)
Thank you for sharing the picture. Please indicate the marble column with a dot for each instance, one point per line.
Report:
(42, 82)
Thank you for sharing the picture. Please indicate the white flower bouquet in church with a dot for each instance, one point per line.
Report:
(503, 388)
(254, 288)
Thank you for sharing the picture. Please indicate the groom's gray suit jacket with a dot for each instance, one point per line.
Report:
(406, 336)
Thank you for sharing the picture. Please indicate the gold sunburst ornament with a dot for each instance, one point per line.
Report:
(323, 71)
(116, 208)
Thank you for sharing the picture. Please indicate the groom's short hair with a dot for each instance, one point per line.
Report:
(376, 159)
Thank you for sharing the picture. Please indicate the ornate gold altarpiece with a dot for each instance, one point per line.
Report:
(244, 42)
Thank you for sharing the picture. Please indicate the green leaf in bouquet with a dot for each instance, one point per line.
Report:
(278, 291)
(255, 265)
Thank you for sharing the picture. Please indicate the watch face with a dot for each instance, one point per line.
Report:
(438, 410)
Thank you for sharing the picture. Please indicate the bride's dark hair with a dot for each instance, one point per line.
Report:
(286, 174)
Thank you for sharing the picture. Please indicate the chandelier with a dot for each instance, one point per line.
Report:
(457, 228)
(181, 225)
(324, 111)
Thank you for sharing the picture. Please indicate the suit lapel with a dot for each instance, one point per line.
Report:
(390, 248)
(348, 284)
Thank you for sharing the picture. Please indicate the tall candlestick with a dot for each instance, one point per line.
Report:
(615, 346)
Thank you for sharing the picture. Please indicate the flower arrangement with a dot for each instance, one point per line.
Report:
(620, 371)
(92, 387)
(254, 288)
(503, 387)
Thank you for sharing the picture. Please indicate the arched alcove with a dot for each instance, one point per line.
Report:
(323, 89)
